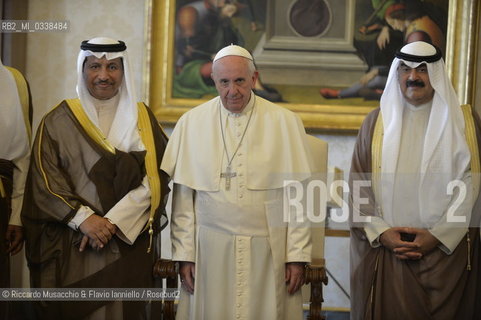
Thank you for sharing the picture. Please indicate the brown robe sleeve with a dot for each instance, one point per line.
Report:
(49, 188)
(362, 258)
(361, 166)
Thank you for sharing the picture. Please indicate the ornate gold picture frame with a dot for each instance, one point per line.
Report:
(461, 47)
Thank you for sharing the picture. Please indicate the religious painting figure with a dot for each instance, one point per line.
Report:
(402, 22)
(202, 28)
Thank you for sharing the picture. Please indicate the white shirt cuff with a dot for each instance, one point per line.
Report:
(82, 213)
(374, 229)
(130, 214)
(449, 237)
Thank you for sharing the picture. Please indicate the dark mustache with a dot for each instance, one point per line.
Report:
(415, 83)
(104, 82)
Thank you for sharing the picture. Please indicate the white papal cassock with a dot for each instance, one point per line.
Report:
(237, 237)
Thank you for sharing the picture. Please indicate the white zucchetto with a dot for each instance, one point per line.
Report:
(233, 50)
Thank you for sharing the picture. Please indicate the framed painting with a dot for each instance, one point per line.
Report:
(306, 61)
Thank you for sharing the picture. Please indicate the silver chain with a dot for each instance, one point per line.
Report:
(229, 161)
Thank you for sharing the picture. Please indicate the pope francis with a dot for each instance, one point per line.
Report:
(230, 159)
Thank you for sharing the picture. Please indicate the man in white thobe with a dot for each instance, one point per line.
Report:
(415, 243)
(14, 160)
(229, 157)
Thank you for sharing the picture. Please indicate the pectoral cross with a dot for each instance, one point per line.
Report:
(227, 175)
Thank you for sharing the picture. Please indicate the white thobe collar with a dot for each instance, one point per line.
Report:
(106, 110)
(423, 106)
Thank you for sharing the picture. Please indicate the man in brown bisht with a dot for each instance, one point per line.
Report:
(15, 108)
(94, 202)
(415, 225)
